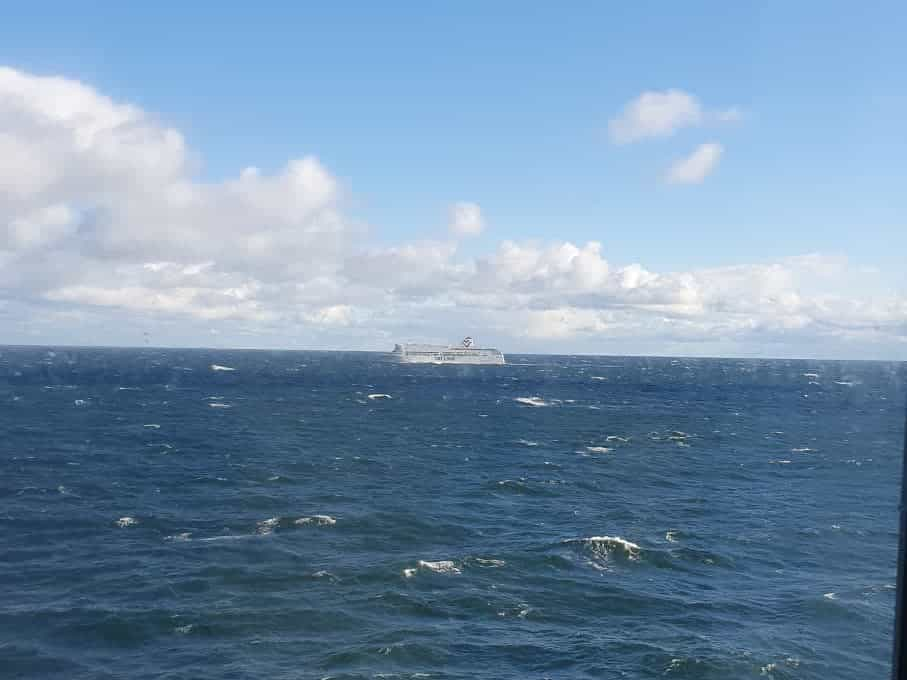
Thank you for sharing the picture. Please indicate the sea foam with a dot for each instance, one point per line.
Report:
(318, 520)
(531, 401)
(605, 545)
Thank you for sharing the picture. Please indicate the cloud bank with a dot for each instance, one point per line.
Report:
(107, 231)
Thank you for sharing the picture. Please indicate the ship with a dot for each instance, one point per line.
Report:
(464, 353)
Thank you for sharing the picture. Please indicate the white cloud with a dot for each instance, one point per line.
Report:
(466, 219)
(655, 114)
(105, 231)
(697, 166)
(660, 114)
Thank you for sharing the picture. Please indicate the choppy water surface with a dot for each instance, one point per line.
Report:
(222, 514)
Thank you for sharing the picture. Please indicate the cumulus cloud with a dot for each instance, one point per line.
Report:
(105, 230)
(466, 219)
(697, 166)
(660, 114)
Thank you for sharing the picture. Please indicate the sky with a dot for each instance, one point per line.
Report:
(696, 179)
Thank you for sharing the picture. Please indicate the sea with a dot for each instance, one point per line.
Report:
(200, 513)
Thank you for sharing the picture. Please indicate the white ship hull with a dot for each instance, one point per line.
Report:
(440, 354)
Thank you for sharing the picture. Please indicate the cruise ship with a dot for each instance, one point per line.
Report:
(464, 353)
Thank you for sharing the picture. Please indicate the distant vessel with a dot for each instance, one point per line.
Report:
(464, 353)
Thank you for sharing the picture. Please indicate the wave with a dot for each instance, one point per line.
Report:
(603, 547)
(599, 449)
(226, 537)
(218, 367)
(526, 442)
(219, 404)
(803, 449)
(379, 396)
(488, 562)
(127, 522)
(439, 567)
(267, 526)
(318, 520)
(152, 426)
(80, 402)
(532, 401)
(184, 536)
(814, 376)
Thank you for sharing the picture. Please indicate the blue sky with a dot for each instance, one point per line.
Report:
(412, 106)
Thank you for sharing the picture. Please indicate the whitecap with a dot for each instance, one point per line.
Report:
(318, 520)
(440, 566)
(219, 404)
(266, 526)
(80, 402)
(830, 596)
(379, 396)
(598, 377)
(615, 438)
(803, 449)
(409, 572)
(185, 536)
(152, 426)
(598, 449)
(814, 376)
(218, 367)
(526, 442)
(226, 537)
(780, 462)
(488, 562)
(127, 522)
(531, 401)
(609, 543)
(846, 383)
(671, 536)
(183, 629)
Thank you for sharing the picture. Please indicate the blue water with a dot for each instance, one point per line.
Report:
(630, 518)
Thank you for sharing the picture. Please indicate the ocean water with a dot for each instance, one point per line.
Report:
(227, 514)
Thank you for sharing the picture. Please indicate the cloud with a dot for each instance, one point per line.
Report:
(466, 219)
(697, 166)
(106, 231)
(656, 114)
